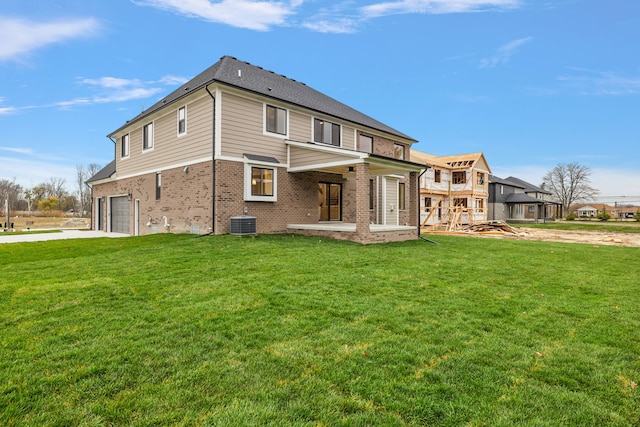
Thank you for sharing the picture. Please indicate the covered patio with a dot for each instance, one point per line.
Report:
(374, 188)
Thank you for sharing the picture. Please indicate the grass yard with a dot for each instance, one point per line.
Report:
(616, 226)
(297, 331)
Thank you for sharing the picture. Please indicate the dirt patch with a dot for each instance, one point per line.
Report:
(575, 236)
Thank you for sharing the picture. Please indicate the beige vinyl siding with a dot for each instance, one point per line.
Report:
(168, 149)
(242, 129)
(299, 127)
(348, 138)
(301, 157)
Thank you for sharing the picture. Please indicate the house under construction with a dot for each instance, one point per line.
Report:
(454, 190)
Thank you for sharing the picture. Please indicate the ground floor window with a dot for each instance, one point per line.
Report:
(462, 202)
(330, 201)
(260, 183)
(401, 196)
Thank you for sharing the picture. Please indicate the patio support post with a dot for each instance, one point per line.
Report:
(362, 200)
(413, 199)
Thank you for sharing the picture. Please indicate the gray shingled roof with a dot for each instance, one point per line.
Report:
(496, 180)
(522, 198)
(230, 71)
(103, 173)
(526, 185)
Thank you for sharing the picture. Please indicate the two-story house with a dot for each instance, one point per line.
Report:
(514, 200)
(238, 140)
(453, 189)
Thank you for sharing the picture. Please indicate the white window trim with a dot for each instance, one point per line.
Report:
(129, 141)
(264, 122)
(153, 137)
(180, 135)
(247, 182)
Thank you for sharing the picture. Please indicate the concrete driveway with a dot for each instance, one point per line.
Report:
(9, 237)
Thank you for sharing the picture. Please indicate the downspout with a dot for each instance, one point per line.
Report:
(418, 199)
(213, 163)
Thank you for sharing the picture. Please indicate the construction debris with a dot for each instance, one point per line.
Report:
(489, 227)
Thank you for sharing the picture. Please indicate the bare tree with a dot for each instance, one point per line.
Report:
(84, 191)
(55, 187)
(81, 177)
(9, 190)
(570, 183)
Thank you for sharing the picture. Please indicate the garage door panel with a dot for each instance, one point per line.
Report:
(120, 214)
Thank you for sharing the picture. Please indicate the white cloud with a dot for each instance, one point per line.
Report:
(20, 36)
(337, 26)
(504, 53)
(113, 89)
(173, 80)
(254, 15)
(5, 111)
(110, 82)
(436, 6)
(590, 82)
(17, 150)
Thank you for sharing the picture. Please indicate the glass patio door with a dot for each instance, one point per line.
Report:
(330, 201)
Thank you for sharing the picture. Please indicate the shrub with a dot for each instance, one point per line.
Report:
(571, 217)
(603, 216)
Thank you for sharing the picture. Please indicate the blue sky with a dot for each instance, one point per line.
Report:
(530, 83)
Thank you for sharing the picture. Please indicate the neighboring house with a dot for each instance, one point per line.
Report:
(515, 200)
(453, 189)
(627, 212)
(594, 209)
(585, 211)
(240, 142)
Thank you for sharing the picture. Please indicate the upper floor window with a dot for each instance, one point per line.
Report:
(437, 175)
(182, 120)
(326, 132)
(276, 120)
(459, 177)
(398, 151)
(124, 146)
(365, 144)
(480, 177)
(147, 136)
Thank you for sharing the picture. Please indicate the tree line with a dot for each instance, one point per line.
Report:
(51, 195)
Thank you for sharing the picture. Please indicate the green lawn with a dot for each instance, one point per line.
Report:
(284, 330)
(617, 226)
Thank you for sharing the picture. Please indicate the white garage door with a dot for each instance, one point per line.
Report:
(120, 214)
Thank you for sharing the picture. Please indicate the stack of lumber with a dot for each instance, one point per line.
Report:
(491, 227)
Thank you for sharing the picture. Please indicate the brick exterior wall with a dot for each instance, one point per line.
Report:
(297, 199)
(185, 200)
(187, 203)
